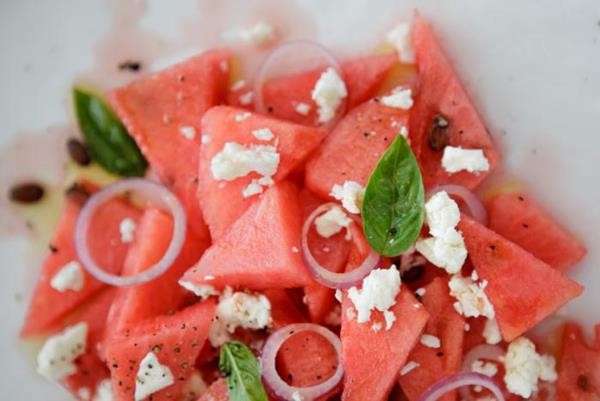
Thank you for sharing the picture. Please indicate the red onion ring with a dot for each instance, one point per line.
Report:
(320, 273)
(459, 380)
(474, 205)
(483, 351)
(295, 57)
(152, 191)
(269, 369)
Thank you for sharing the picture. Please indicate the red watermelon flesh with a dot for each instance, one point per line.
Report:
(284, 311)
(176, 340)
(362, 76)
(331, 253)
(578, 366)
(162, 295)
(155, 108)
(222, 201)
(448, 326)
(216, 392)
(523, 289)
(48, 306)
(351, 151)
(371, 359)
(256, 252)
(441, 93)
(521, 220)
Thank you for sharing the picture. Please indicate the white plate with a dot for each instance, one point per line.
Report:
(533, 71)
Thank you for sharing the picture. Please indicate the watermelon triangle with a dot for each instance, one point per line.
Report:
(155, 108)
(371, 359)
(441, 93)
(222, 201)
(48, 306)
(176, 340)
(523, 289)
(256, 252)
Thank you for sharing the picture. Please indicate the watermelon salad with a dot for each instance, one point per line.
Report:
(326, 230)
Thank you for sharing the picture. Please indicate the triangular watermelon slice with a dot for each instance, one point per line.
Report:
(257, 252)
(435, 364)
(176, 340)
(48, 306)
(222, 201)
(156, 108)
(518, 218)
(440, 93)
(578, 366)
(523, 289)
(162, 295)
(372, 359)
(352, 150)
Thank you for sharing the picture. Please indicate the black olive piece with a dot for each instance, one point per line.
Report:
(28, 192)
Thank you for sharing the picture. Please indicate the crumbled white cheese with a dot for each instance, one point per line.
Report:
(471, 300)
(260, 34)
(295, 249)
(302, 108)
(200, 290)
(404, 133)
(378, 292)
(237, 85)
(420, 292)
(389, 318)
(338, 295)
(351, 194)
(350, 313)
(524, 367)
(188, 132)
(400, 38)
(242, 116)
(485, 368)
(491, 332)
(205, 138)
(263, 134)
(55, 361)
(457, 159)
(69, 277)
(254, 188)
(328, 93)
(296, 396)
(209, 277)
(332, 222)
(441, 214)
(104, 391)
(127, 230)
(84, 394)
(409, 367)
(194, 387)
(238, 309)
(376, 327)
(400, 98)
(430, 341)
(246, 98)
(447, 252)
(151, 377)
(237, 160)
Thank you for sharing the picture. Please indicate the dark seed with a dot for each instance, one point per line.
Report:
(29, 192)
(78, 152)
(77, 193)
(270, 109)
(521, 199)
(440, 353)
(413, 274)
(525, 225)
(438, 133)
(52, 248)
(493, 247)
(583, 383)
(129, 65)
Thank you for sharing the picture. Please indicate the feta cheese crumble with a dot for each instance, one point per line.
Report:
(254, 188)
(524, 367)
(351, 194)
(491, 332)
(409, 367)
(457, 159)
(69, 277)
(400, 98)
(296, 396)
(104, 391)
(376, 327)
(263, 134)
(328, 93)
(378, 292)
(242, 116)
(332, 222)
(259, 35)
(338, 295)
(127, 230)
(84, 394)
(151, 377)
(200, 290)
(56, 359)
(441, 214)
(485, 368)
(236, 160)
(420, 292)
(400, 38)
(302, 108)
(188, 132)
(430, 341)
(246, 98)
(471, 300)
(237, 85)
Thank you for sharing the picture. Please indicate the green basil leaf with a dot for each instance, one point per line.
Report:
(106, 137)
(393, 206)
(240, 366)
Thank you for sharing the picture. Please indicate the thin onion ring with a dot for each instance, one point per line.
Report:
(459, 380)
(474, 205)
(269, 369)
(320, 273)
(152, 191)
(483, 351)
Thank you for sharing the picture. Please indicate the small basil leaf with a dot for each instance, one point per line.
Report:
(107, 139)
(393, 206)
(239, 364)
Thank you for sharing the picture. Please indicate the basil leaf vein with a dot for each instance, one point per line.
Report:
(240, 366)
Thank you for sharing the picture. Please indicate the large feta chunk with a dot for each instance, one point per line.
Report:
(328, 93)
(350, 193)
(447, 252)
(524, 367)
(69, 277)
(457, 159)
(400, 38)
(441, 214)
(151, 377)
(56, 359)
(400, 98)
(236, 160)
(471, 299)
(200, 290)
(332, 222)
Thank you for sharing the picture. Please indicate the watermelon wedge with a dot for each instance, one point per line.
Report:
(256, 252)
(162, 295)
(216, 392)
(222, 201)
(176, 340)
(523, 289)
(156, 108)
(435, 364)
(352, 150)
(48, 306)
(578, 366)
(372, 359)
(440, 93)
(521, 220)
